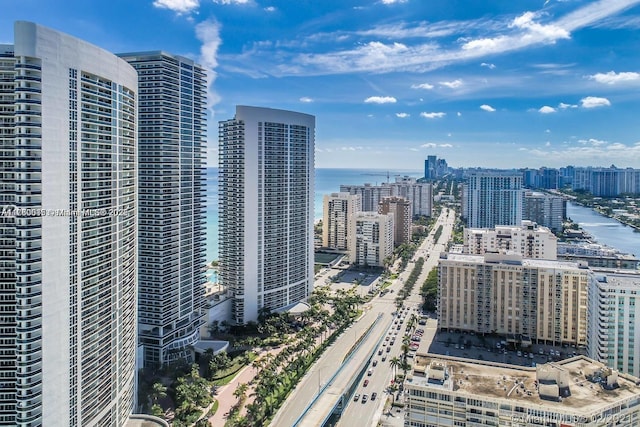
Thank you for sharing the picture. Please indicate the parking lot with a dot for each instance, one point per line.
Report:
(495, 349)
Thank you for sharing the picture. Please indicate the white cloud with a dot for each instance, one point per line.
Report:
(459, 114)
(612, 77)
(564, 106)
(231, 1)
(594, 102)
(426, 86)
(488, 108)
(547, 110)
(452, 84)
(179, 6)
(393, 1)
(270, 9)
(547, 131)
(306, 99)
(489, 66)
(445, 145)
(208, 32)
(402, 115)
(592, 141)
(438, 115)
(429, 145)
(380, 100)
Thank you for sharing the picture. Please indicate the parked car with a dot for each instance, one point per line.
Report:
(375, 362)
(370, 372)
(374, 395)
(366, 383)
(364, 398)
(356, 397)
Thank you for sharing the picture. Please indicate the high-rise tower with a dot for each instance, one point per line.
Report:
(171, 231)
(266, 189)
(67, 232)
(493, 198)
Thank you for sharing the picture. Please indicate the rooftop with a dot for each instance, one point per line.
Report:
(520, 383)
(511, 259)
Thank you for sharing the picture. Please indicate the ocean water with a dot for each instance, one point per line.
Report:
(326, 181)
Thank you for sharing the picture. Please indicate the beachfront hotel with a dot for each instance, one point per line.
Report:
(171, 196)
(266, 187)
(512, 296)
(67, 232)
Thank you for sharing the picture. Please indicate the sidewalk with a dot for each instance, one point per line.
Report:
(225, 396)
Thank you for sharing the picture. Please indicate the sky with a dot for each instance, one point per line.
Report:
(493, 83)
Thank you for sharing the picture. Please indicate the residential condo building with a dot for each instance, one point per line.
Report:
(371, 239)
(575, 392)
(370, 195)
(420, 194)
(68, 236)
(614, 331)
(492, 198)
(529, 240)
(545, 209)
(543, 300)
(400, 208)
(171, 203)
(266, 185)
(338, 208)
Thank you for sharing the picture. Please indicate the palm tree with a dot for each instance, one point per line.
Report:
(240, 392)
(158, 391)
(394, 362)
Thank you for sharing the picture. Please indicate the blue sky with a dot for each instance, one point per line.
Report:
(480, 83)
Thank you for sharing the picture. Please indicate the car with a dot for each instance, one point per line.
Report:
(384, 358)
(386, 338)
(380, 352)
(370, 372)
(375, 362)
(388, 349)
(364, 398)
(356, 397)
(366, 383)
(374, 395)
(519, 353)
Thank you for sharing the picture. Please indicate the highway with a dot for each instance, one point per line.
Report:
(302, 396)
(368, 413)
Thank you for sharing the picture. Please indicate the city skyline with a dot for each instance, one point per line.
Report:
(543, 83)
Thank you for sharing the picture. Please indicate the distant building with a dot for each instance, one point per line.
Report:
(492, 198)
(68, 242)
(597, 256)
(420, 194)
(171, 185)
(528, 240)
(508, 295)
(338, 208)
(400, 208)
(435, 168)
(266, 209)
(370, 195)
(545, 209)
(574, 392)
(371, 239)
(614, 330)
(607, 182)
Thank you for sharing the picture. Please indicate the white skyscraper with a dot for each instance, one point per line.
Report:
(370, 238)
(171, 230)
(266, 176)
(67, 232)
(493, 198)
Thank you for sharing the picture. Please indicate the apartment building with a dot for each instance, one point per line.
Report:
(575, 392)
(171, 195)
(68, 237)
(370, 195)
(614, 330)
(400, 208)
(545, 209)
(492, 198)
(371, 239)
(529, 240)
(266, 184)
(336, 213)
(510, 295)
(420, 194)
